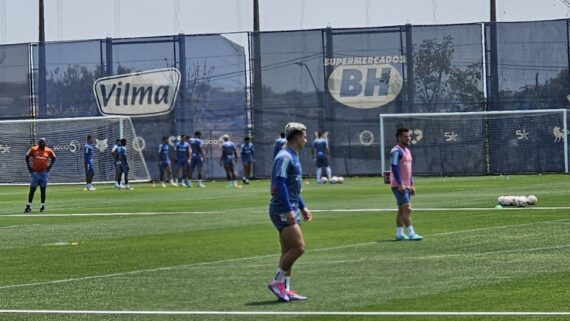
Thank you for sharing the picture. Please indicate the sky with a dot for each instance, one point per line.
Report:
(95, 19)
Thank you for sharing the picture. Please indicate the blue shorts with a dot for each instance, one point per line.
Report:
(163, 165)
(322, 161)
(280, 219)
(196, 162)
(89, 171)
(182, 163)
(402, 198)
(39, 178)
(124, 167)
(228, 161)
(246, 160)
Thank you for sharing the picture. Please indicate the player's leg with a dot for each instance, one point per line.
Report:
(233, 174)
(43, 190)
(199, 169)
(117, 176)
(401, 200)
(407, 221)
(292, 247)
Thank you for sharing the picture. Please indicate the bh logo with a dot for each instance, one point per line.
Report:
(365, 86)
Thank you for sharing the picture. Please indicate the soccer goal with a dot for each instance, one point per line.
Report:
(67, 137)
(481, 143)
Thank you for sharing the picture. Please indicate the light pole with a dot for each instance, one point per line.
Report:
(321, 120)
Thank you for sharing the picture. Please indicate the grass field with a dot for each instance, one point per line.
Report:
(213, 250)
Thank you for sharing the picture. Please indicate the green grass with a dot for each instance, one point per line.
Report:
(214, 249)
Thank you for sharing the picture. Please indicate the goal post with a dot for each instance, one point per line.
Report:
(481, 143)
(67, 138)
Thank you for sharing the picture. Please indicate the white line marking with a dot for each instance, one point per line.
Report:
(109, 214)
(316, 211)
(198, 264)
(314, 313)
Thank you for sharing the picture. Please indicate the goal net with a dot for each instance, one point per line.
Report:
(67, 138)
(480, 143)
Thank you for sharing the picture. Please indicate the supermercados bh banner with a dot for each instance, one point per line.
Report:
(365, 82)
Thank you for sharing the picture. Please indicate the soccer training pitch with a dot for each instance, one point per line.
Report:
(156, 253)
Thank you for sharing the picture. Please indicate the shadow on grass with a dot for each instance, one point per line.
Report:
(261, 303)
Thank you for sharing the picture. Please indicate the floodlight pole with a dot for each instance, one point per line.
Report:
(41, 90)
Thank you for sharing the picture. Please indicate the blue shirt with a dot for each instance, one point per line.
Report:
(88, 153)
(228, 150)
(320, 145)
(163, 152)
(247, 152)
(286, 182)
(196, 145)
(278, 146)
(122, 153)
(182, 151)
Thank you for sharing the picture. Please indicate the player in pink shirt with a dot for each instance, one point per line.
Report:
(402, 184)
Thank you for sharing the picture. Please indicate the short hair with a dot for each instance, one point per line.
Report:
(123, 141)
(89, 137)
(198, 133)
(164, 137)
(401, 130)
(226, 137)
(42, 140)
(282, 135)
(118, 141)
(247, 138)
(291, 129)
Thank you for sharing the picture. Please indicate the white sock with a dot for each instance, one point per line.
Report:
(410, 230)
(399, 231)
(287, 283)
(319, 171)
(30, 204)
(42, 204)
(279, 276)
(329, 172)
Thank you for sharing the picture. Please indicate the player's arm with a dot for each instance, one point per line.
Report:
(223, 156)
(307, 215)
(28, 162)
(313, 151)
(52, 157)
(283, 195)
(235, 153)
(395, 159)
(252, 153)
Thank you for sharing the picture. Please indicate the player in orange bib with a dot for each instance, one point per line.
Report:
(42, 159)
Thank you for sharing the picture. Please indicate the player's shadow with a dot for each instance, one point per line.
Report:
(261, 303)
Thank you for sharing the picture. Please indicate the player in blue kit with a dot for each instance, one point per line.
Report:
(88, 163)
(228, 159)
(123, 165)
(164, 164)
(321, 154)
(197, 157)
(182, 156)
(279, 142)
(247, 152)
(285, 209)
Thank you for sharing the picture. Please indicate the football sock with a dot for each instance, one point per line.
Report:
(410, 230)
(399, 231)
(319, 172)
(287, 283)
(279, 276)
(329, 172)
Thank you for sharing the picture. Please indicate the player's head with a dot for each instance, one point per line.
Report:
(282, 135)
(42, 142)
(90, 139)
(197, 134)
(165, 139)
(403, 136)
(118, 142)
(247, 139)
(296, 134)
(320, 134)
(226, 137)
(123, 142)
(182, 137)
